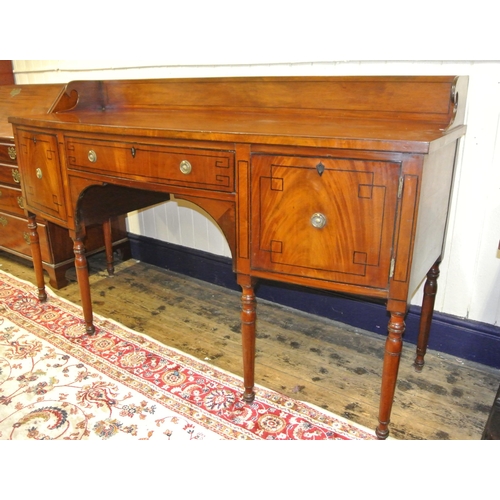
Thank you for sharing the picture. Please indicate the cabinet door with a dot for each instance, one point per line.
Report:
(323, 218)
(41, 174)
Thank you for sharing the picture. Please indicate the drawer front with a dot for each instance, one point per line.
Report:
(197, 168)
(41, 174)
(8, 153)
(14, 236)
(9, 174)
(10, 199)
(323, 218)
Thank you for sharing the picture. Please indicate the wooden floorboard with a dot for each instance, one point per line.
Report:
(320, 361)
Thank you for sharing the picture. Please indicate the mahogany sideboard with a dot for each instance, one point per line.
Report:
(337, 183)
(55, 245)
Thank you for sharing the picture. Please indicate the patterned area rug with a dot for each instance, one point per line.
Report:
(56, 382)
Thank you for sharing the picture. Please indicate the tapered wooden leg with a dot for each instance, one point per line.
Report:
(393, 347)
(248, 321)
(82, 275)
(430, 290)
(37, 257)
(108, 245)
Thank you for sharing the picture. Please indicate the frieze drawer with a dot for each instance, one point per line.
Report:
(323, 218)
(196, 168)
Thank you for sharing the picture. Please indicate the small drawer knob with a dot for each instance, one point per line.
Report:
(318, 220)
(39, 174)
(185, 167)
(92, 156)
(12, 152)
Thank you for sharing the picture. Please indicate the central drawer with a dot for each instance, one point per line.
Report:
(185, 167)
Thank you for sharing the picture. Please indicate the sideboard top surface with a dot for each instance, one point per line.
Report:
(378, 113)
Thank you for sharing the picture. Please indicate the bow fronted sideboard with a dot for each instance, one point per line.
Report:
(337, 183)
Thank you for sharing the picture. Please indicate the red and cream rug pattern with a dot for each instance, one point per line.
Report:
(56, 382)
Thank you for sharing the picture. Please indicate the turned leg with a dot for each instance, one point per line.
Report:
(108, 245)
(37, 257)
(430, 290)
(248, 319)
(393, 347)
(82, 275)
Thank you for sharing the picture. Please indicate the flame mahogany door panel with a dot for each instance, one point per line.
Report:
(324, 218)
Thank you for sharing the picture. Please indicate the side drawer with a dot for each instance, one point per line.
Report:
(324, 218)
(186, 167)
(10, 198)
(14, 236)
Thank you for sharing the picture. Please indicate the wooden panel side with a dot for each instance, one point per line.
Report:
(437, 180)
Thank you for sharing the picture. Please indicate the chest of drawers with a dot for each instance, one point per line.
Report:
(337, 183)
(55, 245)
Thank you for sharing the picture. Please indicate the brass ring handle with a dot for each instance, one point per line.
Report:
(318, 220)
(92, 156)
(185, 167)
(39, 174)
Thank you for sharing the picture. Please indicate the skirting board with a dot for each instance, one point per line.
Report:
(471, 340)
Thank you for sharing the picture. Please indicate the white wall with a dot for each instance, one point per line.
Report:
(470, 273)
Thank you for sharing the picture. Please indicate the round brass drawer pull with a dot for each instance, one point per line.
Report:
(318, 220)
(92, 156)
(185, 167)
(39, 174)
